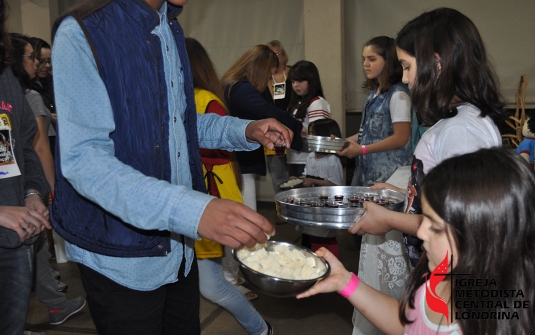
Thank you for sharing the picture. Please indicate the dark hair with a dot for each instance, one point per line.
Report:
(18, 45)
(254, 66)
(462, 75)
(5, 42)
(392, 72)
(326, 128)
(301, 71)
(202, 68)
(487, 199)
(38, 44)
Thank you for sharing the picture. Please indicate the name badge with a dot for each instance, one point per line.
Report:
(279, 90)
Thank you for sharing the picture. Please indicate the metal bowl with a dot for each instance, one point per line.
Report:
(313, 143)
(279, 287)
(325, 221)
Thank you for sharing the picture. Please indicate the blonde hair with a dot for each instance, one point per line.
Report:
(278, 44)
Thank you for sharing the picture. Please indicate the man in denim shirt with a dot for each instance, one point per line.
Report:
(128, 66)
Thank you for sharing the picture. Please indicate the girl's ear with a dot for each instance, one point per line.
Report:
(437, 62)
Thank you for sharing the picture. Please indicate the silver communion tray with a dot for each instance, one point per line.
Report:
(322, 144)
(315, 211)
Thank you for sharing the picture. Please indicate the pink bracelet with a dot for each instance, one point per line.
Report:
(364, 150)
(347, 291)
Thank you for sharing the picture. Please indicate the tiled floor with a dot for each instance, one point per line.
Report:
(323, 314)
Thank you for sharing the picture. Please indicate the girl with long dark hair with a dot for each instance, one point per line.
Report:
(461, 284)
(307, 104)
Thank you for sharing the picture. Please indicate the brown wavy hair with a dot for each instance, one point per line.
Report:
(253, 66)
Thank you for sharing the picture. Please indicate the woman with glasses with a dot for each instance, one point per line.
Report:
(43, 83)
(25, 70)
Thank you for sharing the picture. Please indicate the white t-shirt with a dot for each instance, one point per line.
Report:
(328, 167)
(318, 109)
(400, 107)
(464, 133)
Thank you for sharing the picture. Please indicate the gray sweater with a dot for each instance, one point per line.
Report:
(17, 114)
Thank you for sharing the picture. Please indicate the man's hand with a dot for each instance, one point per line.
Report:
(25, 222)
(268, 131)
(233, 224)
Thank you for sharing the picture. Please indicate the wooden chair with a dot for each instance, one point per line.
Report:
(517, 121)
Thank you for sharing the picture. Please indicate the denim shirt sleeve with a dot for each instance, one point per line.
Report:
(223, 132)
(85, 120)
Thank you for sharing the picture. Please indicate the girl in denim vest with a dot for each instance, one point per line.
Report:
(382, 143)
(380, 147)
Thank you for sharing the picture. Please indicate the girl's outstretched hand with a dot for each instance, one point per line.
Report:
(337, 280)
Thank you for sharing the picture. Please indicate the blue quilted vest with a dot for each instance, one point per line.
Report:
(119, 32)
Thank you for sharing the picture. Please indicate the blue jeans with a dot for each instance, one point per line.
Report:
(217, 289)
(16, 266)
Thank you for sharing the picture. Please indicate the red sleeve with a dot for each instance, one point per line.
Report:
(216, 108)
(213, 156)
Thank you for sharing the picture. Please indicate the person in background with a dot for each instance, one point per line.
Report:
(383, 141)
(23, 214)
(323, 169)
(279, 92)
(221, 176)
(25, 69)
(455, 92)
(307, 104)
(242, 86)
(380, 147)
(130, 198)
(43, 83)
(466, 199)
(46, 284)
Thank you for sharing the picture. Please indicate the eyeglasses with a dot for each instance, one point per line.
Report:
(30, 56)
(45, 61)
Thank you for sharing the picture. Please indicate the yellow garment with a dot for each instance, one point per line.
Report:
(228, 189)
(268, 152)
